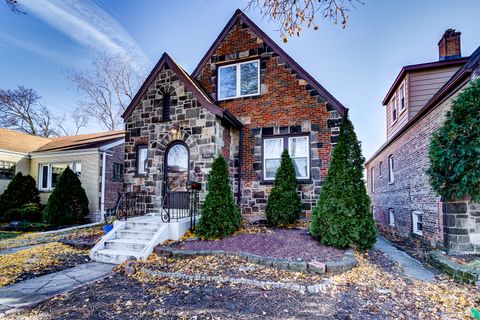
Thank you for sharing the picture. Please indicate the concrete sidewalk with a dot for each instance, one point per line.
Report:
(411, 267)
(34, 290)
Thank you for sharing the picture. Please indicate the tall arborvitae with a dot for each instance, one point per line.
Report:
(68, 203)
(342, 216)
(284, 204)
(220, 215)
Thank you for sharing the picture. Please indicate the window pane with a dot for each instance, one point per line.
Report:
(298, 147)
(44, 177)
(177, 168)
(301, 167)
(271, 167)
(249, 78)
(228, 82)
(142, 160)
(273, 148)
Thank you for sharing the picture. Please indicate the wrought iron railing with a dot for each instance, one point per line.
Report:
(131, 204)
(177, 205)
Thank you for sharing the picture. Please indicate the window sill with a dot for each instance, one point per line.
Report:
(403, 110)
(239, 97)
(392, 182)
(417, 233)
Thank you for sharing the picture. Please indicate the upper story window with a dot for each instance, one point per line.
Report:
(50, 173)
(7, 170)
(394, 109)
(372, 178)
(298, 149)
(142, 160)
(391, 166)
(402, 97)
(380, 169)
(239, 80)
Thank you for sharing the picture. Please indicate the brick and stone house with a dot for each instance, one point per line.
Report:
(248, 100)
(398, 186)
(96, 158)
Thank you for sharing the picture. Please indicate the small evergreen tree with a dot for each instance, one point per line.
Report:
(20, 191)
(68, 203)
(220, 214)
(284, 204)
(454, 151)
(342, 215)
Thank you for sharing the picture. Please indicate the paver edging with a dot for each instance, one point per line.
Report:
(312, 267)
(301, 288)
(78, 244)
(461, 273)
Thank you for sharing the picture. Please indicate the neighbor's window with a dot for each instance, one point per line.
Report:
(391, 217)
(372, 178)
(142, 159)
(298, 149)
(391, 166)
(50, 173)
(7, 170)
(402, 97)
(239, 80)
(417, 222)
(380, 168)
(394, 109)
(117, 171)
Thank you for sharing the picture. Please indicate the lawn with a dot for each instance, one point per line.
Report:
(8, 235)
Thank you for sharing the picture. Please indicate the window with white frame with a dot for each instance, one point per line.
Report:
(7, 170)
(402, 97)
(391, 166)
(298, 149)
(394, 109)
(239, 80)
(142, 160)
(391, 217)
(49, 174)
(417, 222)
(372, 178)
(380, 169)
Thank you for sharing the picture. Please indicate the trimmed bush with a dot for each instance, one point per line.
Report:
(20, 191)
(68, 203)
(454, 152)
(342, 216)
(284, 204)
(220, 214)
(31, 212)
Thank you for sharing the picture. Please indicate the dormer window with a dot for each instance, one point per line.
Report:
(394, 109)
(402, 97)
(239, 80)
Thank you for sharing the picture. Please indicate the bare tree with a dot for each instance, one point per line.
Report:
(20, 110)
(13, 5)
(106, 90)
(292, 15)
(64, 123)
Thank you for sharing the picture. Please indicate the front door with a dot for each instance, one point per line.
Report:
(176, 171)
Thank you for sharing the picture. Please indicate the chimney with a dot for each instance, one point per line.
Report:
(449, 45)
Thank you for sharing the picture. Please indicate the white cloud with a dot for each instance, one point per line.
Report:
(87, 24)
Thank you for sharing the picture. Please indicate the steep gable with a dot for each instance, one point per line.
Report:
(250, 40)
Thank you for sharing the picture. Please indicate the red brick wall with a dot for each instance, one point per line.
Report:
(112, 187)
(286, 101)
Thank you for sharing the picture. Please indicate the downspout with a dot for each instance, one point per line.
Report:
(240, 157)
(102, 196)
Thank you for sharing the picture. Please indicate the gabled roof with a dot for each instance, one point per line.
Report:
(26, 143)
(276, 48)
(191, 85)
(420, 67)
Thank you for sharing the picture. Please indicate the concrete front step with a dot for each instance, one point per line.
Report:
(134, 234)
(143, 225)
(126, 244)
(115, 256)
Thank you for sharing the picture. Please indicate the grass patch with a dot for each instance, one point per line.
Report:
(8, 235)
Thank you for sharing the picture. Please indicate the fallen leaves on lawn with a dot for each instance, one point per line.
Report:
(442, 299)
(33, 260)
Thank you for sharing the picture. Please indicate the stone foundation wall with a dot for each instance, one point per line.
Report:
(462, 227)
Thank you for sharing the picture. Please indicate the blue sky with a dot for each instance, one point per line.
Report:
(357, 64)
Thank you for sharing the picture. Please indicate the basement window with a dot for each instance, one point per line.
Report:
(239, 80)
(391, 217)
(417, 222)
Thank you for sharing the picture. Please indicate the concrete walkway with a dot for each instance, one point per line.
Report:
(411, 267)
(34, 290)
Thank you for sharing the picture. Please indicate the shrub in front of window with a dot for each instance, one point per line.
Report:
(68, 203)
(31, 212)
(342, 216)
(20, 191)
(284, 204)
(454, 152)
(220, 214)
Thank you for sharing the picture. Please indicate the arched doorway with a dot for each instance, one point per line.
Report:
(177, 175)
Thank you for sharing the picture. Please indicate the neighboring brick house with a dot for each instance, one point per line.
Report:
(248, 100)
(46, 158)
(397, 183)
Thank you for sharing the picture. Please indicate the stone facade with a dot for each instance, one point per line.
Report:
(287, 104)
(462, 226)
(188, 122)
